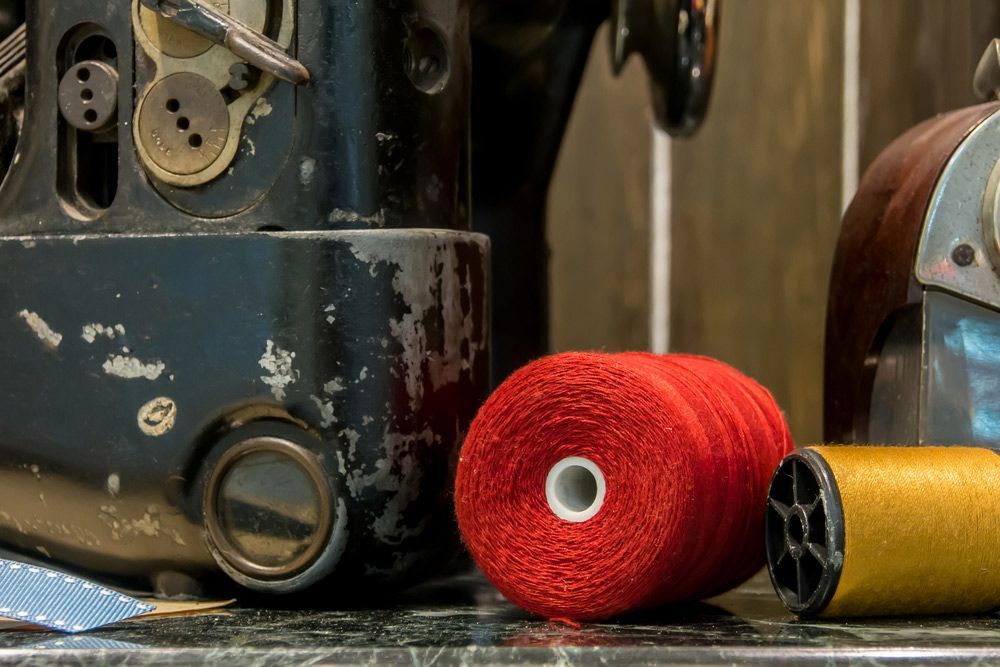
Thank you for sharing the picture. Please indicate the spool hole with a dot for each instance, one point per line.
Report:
(575, 489)
(195, 141)
(83, 74)
(90, 116)
(183, 123)
(796, 530)
(86, 94)
(173, 106)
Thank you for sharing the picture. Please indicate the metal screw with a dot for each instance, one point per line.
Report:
(963, 255)
(242, 77)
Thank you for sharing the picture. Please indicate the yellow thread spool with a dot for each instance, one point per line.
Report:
(870, 531)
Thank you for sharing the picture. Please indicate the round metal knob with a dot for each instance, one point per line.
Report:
(270, 513)
(88, 96)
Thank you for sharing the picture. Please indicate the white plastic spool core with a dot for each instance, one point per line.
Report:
(575, 489)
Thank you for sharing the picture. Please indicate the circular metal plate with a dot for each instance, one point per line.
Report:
(268, 509)
(88, 95)
(179, 42)
(184, 123)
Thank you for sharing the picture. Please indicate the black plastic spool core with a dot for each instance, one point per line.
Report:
(804, 529)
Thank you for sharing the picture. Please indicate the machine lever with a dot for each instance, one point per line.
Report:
(257, 49)
(986, 82)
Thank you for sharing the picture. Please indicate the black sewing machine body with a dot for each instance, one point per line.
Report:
(246, 321)
(263, 366)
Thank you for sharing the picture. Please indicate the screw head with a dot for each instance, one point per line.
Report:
(963, 255)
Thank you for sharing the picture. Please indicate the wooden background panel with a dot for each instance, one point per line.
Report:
(756, 202)
(599, 213)
(756, 196)
(917, 60)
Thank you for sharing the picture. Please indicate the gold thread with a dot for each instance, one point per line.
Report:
(921, 530)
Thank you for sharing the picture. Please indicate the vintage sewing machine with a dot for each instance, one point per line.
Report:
(913, 330)
(245, 316)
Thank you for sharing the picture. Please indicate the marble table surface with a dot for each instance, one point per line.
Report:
(464, 621)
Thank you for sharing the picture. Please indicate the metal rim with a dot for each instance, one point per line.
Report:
(222, 547)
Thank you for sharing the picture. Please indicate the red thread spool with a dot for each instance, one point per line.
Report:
(595, 484)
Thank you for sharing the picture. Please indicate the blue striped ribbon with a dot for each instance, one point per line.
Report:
(59, 601)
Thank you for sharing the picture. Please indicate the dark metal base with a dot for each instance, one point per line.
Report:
(131, 364)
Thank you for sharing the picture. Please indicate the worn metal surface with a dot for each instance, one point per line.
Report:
(378, 144)
(219, 27)
(201, 158)
(963, 212)
(177, 41)
(322, 291)
(873, 278)
(912, 360)
(184, 123)
(361, 147)
(377, 342)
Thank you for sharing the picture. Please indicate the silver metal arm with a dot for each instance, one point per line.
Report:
(257, 49)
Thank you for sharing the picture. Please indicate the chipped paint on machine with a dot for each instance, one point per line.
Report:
(280, 373)
(41, 329)
(128, 367)
(388, 391)
(316, 290)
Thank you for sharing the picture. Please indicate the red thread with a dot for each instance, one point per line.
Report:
(686, 445)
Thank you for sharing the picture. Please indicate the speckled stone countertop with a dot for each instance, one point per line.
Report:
(464, 621)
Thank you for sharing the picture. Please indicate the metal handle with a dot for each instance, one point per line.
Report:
(257, 49)
(678, 39)
(986, 82)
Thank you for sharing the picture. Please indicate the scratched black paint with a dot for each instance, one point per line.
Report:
(377, 287)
